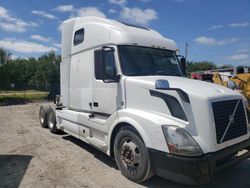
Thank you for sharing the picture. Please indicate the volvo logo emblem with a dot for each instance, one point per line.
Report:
(231, 118)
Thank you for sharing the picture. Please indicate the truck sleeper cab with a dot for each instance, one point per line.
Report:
(124, 91)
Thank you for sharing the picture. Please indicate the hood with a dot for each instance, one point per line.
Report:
(198, 110)
(195, 88)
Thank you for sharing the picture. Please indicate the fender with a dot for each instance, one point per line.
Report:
(134, 124)
(147, 124)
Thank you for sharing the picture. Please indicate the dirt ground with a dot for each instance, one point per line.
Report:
(30, 156)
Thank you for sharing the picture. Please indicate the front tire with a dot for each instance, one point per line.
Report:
(131, 155)
(52, 121)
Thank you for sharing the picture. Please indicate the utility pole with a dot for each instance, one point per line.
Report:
(186, 50)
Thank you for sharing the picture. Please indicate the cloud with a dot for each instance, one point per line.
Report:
(243, 50)
(243, 24)
(212, 42)
(33, 24)
(238, 57)
(118, 2)
(10, 23)
(16, 26)
(205, 41)
(13, 57)
(40, 38)
(138, 16)
(58, 45)
(89, 11)
(24, 46)
(59, 27)
(112, 11)
(81, 12)
(144, 0)
(231, 25)
(3, 13)
(64, 8)
(214, 27)
(43, 14)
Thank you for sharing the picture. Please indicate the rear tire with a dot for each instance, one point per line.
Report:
(43, 115)
(131, 155)
(52, 121)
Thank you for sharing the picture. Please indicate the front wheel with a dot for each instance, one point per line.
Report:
(131, 155)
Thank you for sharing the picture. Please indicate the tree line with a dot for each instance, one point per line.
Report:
(29, 73)
(45, 70)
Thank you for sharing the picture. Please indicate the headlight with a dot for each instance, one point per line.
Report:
(180, 142)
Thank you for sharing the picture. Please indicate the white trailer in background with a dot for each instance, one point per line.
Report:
(124, 91)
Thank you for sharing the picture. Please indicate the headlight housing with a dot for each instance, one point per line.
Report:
(180, 142)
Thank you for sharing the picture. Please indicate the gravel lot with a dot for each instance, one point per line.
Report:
(30, 156)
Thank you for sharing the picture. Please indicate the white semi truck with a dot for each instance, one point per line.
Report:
(124, 91)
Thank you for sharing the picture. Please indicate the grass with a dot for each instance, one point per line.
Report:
(21, 97)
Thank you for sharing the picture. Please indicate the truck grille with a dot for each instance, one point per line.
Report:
(222, 111)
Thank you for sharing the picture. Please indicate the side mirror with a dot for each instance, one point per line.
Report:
(183, 65)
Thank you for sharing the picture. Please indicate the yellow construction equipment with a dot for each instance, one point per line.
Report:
(237, 81)
(241, 81)
(217, 79)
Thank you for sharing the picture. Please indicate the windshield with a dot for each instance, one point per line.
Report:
(142, 61)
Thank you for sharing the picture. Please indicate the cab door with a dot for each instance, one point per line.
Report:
(105, 94)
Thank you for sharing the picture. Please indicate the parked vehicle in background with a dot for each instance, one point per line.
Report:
(204, 76)
(124, 91)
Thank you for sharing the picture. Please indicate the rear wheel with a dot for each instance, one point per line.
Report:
(52, 121)
(131, 155)
(43, 115)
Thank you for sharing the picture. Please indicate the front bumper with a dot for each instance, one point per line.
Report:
(196, 170)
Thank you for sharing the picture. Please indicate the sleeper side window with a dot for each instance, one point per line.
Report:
(78, 37)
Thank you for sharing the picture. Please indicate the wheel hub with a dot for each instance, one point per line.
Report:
(130, 154)
(51, 124)
(127, 155)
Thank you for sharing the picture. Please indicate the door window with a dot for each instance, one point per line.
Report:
(109, 70)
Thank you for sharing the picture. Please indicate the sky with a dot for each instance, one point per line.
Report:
(215, 30)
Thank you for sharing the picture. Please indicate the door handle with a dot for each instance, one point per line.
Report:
(91, 116)
(95, 104)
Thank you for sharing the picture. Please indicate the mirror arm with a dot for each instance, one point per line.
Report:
(108, 47)
(116, 79)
